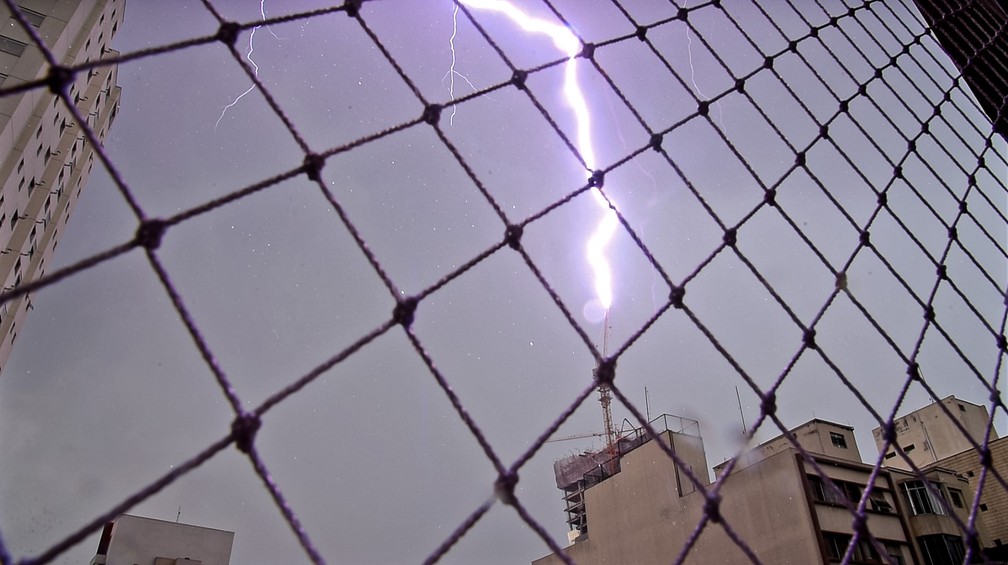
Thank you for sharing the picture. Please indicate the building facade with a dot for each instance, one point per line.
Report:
(44, 157)
(789, 507)
(131, 540)
(942, 434)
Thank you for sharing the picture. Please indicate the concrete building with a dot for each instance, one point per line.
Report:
(789, 508)
(931, 437)
(44, 158)
(133, 540)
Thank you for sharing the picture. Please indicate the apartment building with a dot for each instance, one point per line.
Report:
(789, 507)
(44, 158)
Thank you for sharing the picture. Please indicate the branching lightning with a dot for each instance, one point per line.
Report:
(248, 57)
(569, 44)
(692, 70)
(452, 73)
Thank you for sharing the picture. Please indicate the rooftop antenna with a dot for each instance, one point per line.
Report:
(179, 515)
(741, 413)
(647, 405)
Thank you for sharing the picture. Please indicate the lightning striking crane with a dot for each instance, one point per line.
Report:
(571, 46)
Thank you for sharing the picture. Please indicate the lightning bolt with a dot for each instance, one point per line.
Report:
(248, 57)
(569, 44)
(692, 70)
(452, 73)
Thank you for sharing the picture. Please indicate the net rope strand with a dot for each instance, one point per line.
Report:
(912, 54)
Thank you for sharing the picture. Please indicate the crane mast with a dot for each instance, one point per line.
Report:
(605, 396)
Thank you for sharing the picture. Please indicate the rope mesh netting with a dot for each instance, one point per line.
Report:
(810, 207)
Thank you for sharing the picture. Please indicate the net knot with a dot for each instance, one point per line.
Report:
(59, 78)
(770, 197)
(313, 164)
(768, 405)
(243, 431)
(712, 508)
(605, 373)
(518, 79)
(730, 237)
(656, 141)
(808, 338)
(504, 487)
(512, 236)
(150, 232)
(404, 311)
(889, 432)
(228, 33)
(353, 7)
(913, 371)
(432, 113)
(676, 296)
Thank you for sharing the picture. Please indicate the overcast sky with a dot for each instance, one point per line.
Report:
(105, 391)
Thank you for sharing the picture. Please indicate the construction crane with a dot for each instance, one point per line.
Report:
(575, 436)
(605, 396)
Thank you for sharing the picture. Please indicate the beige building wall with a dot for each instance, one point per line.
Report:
(776, 499)
(637, 515)
(993, 504)
(45, 158)
(928, 435)
(132, 540)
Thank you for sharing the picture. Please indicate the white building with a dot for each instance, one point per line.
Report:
(44, 158)
(133, 540)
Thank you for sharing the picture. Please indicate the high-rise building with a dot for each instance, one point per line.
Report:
(129, 540)
(789, 507)
(44, 158)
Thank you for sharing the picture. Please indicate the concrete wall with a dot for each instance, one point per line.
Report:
(929, 435)
(137, 540)
(637, 516)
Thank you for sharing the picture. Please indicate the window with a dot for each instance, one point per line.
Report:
(895, 552)
(13, 219)
(836, 545)
(941, 549)
(838, 440)
(34, 18)
(922, 501)
(957, 497)
(821, 492)
(880, 504)
(12, 46)
(909, 448)
(983, 507)
(962, 408)
(890, 455)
